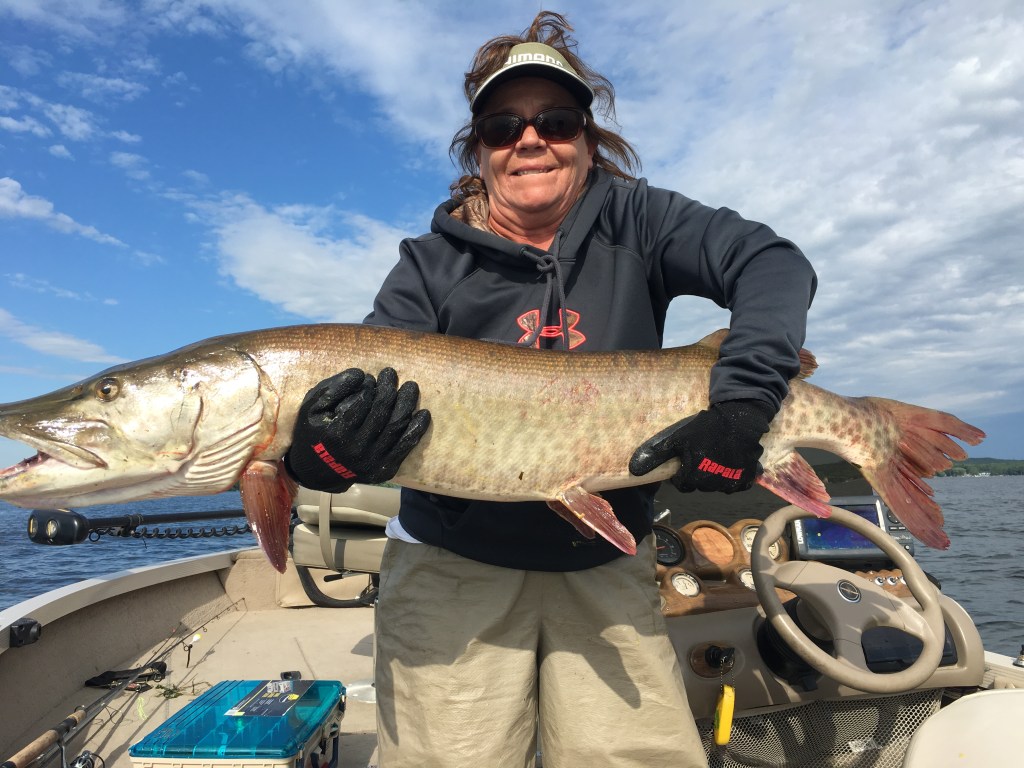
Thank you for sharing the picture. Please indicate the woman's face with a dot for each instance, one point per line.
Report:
(532, 184)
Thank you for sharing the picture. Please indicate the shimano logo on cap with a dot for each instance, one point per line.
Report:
(529, 58)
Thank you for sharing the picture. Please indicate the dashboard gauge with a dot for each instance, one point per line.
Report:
(686, 584)
(670, 546)
(747, 537)
(747, 578)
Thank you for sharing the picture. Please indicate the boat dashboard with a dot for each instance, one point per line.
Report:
(705, 566)
(722, 635)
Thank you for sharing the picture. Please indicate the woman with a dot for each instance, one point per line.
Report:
(497, 622)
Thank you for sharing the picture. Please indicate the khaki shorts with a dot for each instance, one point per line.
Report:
(474, 661)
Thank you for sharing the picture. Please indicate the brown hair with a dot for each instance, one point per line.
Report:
(613, 153)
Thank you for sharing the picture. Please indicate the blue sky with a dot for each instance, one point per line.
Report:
(172, 170)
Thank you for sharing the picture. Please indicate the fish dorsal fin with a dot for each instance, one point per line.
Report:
(808, 363)
(715, 338)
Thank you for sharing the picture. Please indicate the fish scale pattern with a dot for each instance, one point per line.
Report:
(510, 422)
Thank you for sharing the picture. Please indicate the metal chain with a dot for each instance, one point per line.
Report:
(206, 532)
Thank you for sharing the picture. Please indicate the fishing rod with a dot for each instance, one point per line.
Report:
(65, 526)
(49, 744)
(52, 743)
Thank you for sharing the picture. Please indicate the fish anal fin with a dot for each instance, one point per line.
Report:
(267, 492)
(590, 513)
(793, 479)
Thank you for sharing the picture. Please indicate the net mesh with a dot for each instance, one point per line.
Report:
(851, 733)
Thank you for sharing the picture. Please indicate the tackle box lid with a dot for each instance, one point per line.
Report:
(246, 718)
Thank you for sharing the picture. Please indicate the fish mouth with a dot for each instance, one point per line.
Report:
(52, 452)
(25, 465)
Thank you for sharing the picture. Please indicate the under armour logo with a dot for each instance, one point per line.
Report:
(529, 321)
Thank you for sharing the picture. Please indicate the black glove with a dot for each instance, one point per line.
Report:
(718, 448)
(354, 429)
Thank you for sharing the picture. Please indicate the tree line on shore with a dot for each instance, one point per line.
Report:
(985, 467)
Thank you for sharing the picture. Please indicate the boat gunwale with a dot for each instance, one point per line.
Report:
(55, 604)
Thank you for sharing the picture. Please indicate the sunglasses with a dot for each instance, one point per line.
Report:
(557, 124)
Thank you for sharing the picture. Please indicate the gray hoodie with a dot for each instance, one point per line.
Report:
(625, 250)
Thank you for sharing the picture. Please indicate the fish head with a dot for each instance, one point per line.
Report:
(180, 424)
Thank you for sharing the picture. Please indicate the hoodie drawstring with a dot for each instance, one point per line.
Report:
(548, 266)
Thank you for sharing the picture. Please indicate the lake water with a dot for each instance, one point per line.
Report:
(30, 569)
(983, 570)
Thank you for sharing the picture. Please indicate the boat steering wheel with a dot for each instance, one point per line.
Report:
(849, 605)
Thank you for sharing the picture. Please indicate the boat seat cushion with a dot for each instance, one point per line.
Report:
(980, 729)
(371, 505)
(343, 531)
(359, 550)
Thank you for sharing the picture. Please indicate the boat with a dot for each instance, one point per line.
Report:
(829, 642)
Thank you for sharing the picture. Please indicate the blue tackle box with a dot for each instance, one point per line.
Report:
(250, 723)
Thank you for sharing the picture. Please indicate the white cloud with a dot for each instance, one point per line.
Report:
(26, 60)
(133, 165)
(78, 19)
(16, 204)
(59, 150)
(53, 342)
(24, 125)
(147, 259)
(317, 263)
(196, 177)
(24, 282)
(75, 123)
(127, 138)
(99, 88)
(9, 98)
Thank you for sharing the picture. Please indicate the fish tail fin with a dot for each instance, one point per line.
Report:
(267, 492)
(794, 480)
(589, 513)
(922, 447)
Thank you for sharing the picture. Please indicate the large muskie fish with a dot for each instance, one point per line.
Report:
(508, 424)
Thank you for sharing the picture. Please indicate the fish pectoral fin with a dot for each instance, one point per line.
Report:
(589, 513)
(267, 492)
(794, 480)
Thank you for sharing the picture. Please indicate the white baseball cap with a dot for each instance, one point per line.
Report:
(535, 60)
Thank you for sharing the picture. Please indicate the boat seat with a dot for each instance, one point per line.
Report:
(980, 729)
(343, 531)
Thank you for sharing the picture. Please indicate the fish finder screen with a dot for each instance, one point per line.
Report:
(820, 538)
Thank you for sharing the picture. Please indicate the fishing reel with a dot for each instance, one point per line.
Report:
(87, 760)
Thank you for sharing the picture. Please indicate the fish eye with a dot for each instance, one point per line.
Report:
(107, 389)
